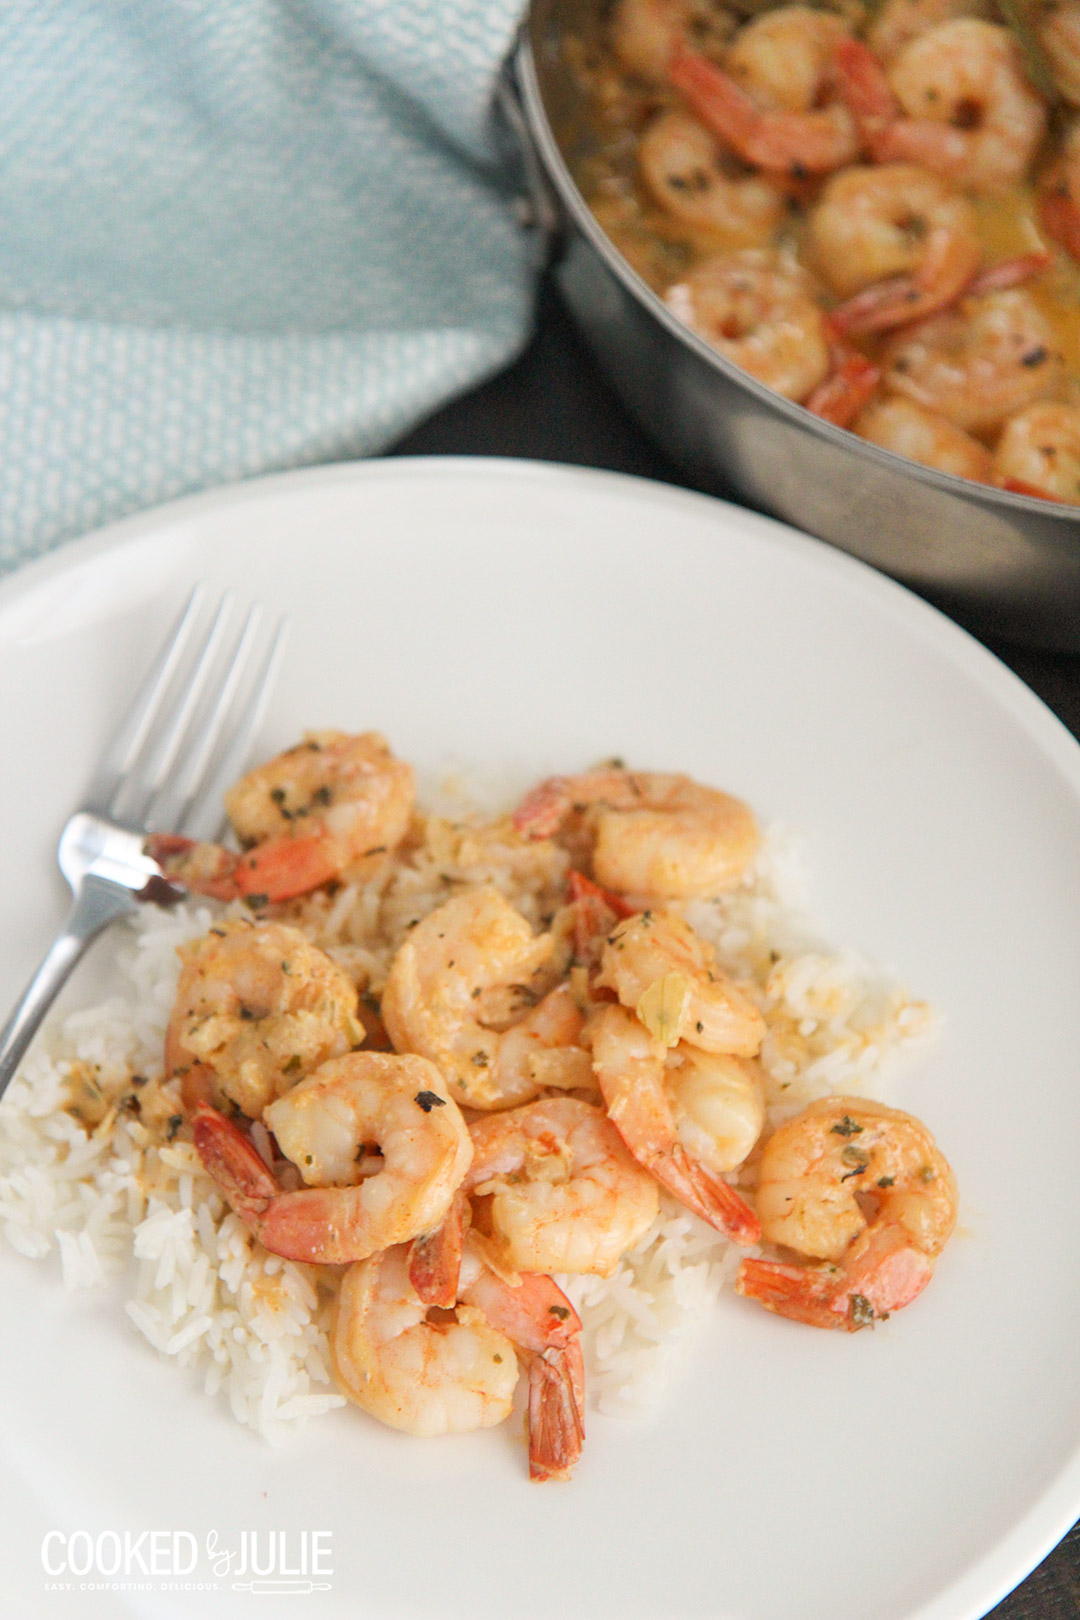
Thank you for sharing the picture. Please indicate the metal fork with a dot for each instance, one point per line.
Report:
(185, 737)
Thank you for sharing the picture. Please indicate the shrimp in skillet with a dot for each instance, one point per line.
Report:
(759, 311)
(672, 1110)
(775, 102)
(955, 100)
(896, 241)
(1039, 453)
(688, 174)
(377, 1138)
(334, 803)
(863, 1188)
(454, 1372)
(649, 833)
(921, 435)
(646, 34)
(462, 991)
(258, 1007)
(979, 362)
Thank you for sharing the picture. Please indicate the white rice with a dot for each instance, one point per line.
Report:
(114, 1208)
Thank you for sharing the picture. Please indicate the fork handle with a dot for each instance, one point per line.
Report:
(97, 904)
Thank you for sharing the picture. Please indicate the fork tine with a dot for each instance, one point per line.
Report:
(151, 766)
(206, 815)
(174, 801)
(137, 723)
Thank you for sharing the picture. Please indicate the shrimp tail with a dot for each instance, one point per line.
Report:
(1061, 219)
(861, 81)
(709, 1196)
(556, 1411)
(1011, 272)
(283, 868)
(802, 1293)
(849, 387)
(230, 1157)
(435, 1257)
(595, 909)
(203, 868)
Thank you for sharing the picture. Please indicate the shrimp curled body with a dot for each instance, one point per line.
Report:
(651, 833)
(257, 1008)
(336, 1126)
(820, 1173)
(458, 1372)
(333, 803)
(566, 1194)
(440, 995)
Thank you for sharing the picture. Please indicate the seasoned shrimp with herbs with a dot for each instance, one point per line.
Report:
(864, 1189)
(470, 988)
(332, 804)
(258, 1007)
(376, 1138)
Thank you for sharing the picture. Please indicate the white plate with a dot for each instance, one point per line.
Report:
(536, 618)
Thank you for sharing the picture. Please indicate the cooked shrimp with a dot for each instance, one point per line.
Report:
(820, 1173)
(257, 1008)
(775, 101)
(651, 833)
(688, 174)
(1059, 31)
(565, 1194)
(896, 236)
(333, 803)
(377, 1138)
(713, 1103)
(665, 973)
(921, 435)
(647, 33)
(446, 994)
(452, 1374)
(761, 315)
(1059, 194)
(1039, 453)
(850, 385)
(956, 100)
(900, 21)
(979, 362)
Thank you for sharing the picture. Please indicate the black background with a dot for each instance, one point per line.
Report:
(553, 404)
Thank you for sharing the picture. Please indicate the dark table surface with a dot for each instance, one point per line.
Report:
(554, 404)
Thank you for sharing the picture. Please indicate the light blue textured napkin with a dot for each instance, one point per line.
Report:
(238, 236)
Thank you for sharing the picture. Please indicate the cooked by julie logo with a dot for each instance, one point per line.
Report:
(260, 1561)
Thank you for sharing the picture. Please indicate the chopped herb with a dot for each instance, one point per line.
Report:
(558, 1310)
(255, 902)
(846, 1127)
(860, 1310)
(699, 1026)
(286, 967)
(429, 1100)
(927, 1174)
(476, 993)
(293, 1064)
(854, 1155)
(278, 795)
(175, 1122)
(497, 1357)
(220, 932)
(322, 795)
(480, 1059)
(886, 1181)
(138, 1079)
(246, 1013)
(309, 1158)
